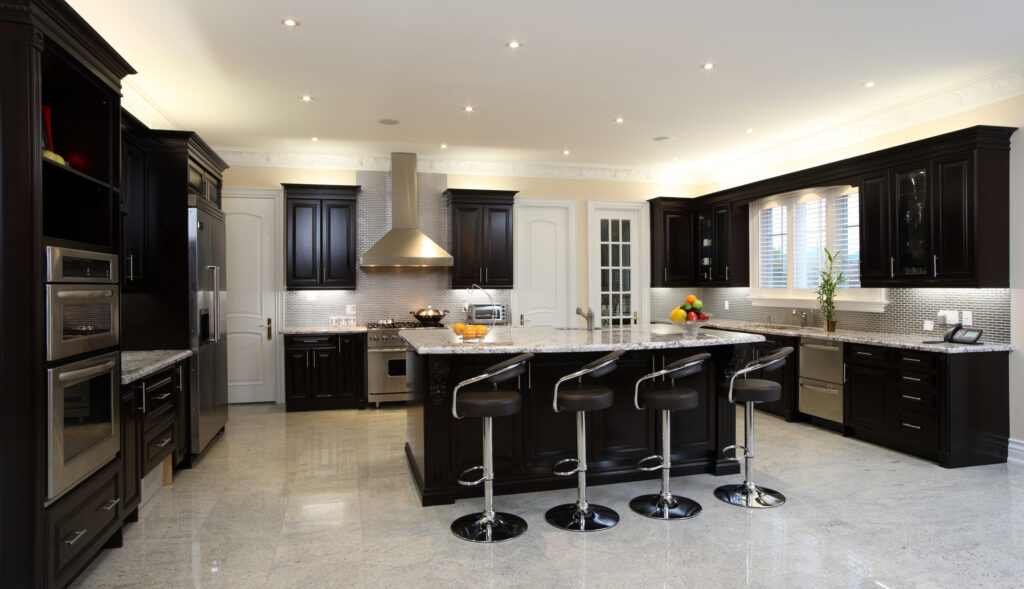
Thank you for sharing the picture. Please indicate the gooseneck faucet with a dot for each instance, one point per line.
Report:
(589, 316)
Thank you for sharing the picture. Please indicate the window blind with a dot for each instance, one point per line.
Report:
(809, 235)
(772, 247)
(846, 236)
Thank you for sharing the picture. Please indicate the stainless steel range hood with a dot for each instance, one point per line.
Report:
(405, 244)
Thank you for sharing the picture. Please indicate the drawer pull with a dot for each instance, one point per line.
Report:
(312, 341)
(912, 378)
(865, 354)
(74, 536)
(911, 426)
(161, 397)
(161, 383)
(911, 397)
(909, 359)
(164, 442)
(109, 505)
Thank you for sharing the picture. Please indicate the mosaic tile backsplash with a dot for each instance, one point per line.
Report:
(906, 312)
(391, 293)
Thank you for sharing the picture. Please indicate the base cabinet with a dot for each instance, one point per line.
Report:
(325, 372)
(788, 376)
(131, 487)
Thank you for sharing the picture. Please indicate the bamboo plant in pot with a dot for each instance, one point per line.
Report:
(830, 280)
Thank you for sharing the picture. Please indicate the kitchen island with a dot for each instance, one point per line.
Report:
(528, 444)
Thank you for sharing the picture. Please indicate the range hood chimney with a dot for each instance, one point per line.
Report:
(405, 244)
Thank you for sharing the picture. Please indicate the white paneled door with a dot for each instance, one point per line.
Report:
(545, 263)
(252, 275)
(618, 246)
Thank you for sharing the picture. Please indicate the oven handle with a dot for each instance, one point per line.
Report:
(84, 294)
(386, 350)
(84, 373)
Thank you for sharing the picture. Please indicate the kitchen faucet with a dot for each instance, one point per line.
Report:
(803, 318)
(589, 316)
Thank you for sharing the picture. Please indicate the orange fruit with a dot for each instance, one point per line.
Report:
(457, 328)
(691, 299)
(678, 314)
(481, 330)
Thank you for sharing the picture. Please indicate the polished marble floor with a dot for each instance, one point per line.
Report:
(324, 500)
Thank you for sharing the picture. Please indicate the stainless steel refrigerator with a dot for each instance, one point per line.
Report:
(208, 325)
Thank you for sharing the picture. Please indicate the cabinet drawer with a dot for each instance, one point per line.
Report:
(863, 353)
(83, 516)
(159, 391)
(157, 419)
(308, 341)
(915, 360)
(158, 446)
(914, 398)
(921, 380)
(916, 427)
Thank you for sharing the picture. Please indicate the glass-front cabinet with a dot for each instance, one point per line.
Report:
(913, 227)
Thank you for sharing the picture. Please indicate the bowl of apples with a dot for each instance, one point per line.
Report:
(691, 315)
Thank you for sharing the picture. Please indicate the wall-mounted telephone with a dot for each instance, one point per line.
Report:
(960, 335)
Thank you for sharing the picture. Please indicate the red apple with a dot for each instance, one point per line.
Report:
(691, 316)
(703, 316)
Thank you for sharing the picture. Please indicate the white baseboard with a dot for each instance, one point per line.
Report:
(1015, 452)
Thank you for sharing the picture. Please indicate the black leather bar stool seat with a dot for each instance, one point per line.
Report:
(490, 403)
(669, 399)
(748, 392)
(572, 393)
(665, 395)
(490, 525)
(584, 398)
(753, 390)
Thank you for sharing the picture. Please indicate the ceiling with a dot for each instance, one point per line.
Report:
(231, 71)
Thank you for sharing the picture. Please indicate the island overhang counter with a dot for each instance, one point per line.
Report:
(527, 445)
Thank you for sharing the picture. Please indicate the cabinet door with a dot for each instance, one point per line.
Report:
(497, 246)
(182, 444)
(298, 378)
(352, 369)
(876, 263)
(738, 257)
(303, 243)
(953, 217)
(325, 375)
(720, 270)
(868, 404)
(132, 483)
(133, 186)
(467, 234)
(674, 257)
(705, 246)
(338, 245)
(912, 222)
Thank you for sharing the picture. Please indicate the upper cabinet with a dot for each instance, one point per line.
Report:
(673, 243)
(723, 256)
(481, 237)
(320, 236)
(693, 245)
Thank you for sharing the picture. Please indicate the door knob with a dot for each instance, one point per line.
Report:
(635, 318)
(267, 325)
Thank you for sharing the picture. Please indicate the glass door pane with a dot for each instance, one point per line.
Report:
(913, 223)
(617, 259)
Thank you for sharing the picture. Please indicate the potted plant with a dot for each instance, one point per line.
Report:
(830, 280)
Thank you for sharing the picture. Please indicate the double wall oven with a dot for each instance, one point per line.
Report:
(83, 365)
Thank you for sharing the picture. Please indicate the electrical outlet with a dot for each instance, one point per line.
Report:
(465, 306)
(350, 309)
(929, 325)
(950, 317)
(726, 305)
(968, 317)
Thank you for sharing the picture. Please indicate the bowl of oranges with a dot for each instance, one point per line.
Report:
(690, 315)
(470, 332)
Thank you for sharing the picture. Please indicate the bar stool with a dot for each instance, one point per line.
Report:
(666, 399)
(489, 526)
(582, 516)
(748, 392)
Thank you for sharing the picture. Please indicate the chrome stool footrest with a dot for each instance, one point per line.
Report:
(461, 480)
(660, 465)
(566, 473)
(736, 448)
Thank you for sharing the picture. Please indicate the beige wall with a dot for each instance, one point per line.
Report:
(268, 177)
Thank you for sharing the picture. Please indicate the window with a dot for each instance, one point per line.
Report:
(790, 234)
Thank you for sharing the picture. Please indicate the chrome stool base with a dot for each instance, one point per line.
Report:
(751, 496)
(476, 528)
(658, 506)
(570, 517)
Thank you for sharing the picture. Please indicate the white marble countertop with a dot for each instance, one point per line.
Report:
(515, 340)
(322, 330)
(875, 338)
(140, 364)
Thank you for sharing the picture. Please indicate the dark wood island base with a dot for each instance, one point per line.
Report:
(527, 445)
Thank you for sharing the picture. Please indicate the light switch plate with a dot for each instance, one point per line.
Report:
(968, 317)
(929, 325)
(726, 305)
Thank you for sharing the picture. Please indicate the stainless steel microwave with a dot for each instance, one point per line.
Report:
(82, 302)
(487, 313)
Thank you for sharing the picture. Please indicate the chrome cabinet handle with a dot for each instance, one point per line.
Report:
(181, 377)
(313, 354)
(131, 267)
(865, 354)
(108, 505)
(892, 267)
(307, 358)
(727, 272)
(74, 536)
(844, 372)
(480, 274)
(908, 359)
(215, 336)
(487, 275)
(164, 442)
(912, 379)
(162, 383)
(309, 341)
(911, 397)
(161, 397)
(821, 389)
(935, 265)
(911, 426)
(664, 272)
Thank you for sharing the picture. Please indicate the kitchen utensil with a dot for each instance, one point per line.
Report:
(428, 316)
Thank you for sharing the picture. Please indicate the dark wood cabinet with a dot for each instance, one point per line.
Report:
(875, 262)
(320, 236)
(482, 235)
(131, 490)
(953, 206)
(134, 263)
(868, 398)
(722, 240)
(788, 376)
(163, 412)
(673, 244)
(325, 371)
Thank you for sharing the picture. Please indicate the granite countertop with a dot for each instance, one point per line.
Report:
(875, 338)
(514, 340)
(140, 364)
(320, 329)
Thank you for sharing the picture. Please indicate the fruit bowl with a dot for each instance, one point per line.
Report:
(691, 315)
(470, 333)
(690, 328)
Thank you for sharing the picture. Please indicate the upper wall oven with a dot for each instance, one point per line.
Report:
(82, 302)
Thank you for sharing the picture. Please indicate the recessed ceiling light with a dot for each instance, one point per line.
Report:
(869, 84)
(565, 152)
(749, 130)
(388, 121)
(708, 66)
(290, 22)
(663, 138)
(513, 45)
(307, 98)
(619, 120)
(469, 108)
(444, 146)
(675, 159)
(315, 139)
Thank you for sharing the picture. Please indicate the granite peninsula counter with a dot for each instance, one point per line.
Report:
(527, 445)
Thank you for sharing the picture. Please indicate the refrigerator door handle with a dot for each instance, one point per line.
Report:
(215, 336)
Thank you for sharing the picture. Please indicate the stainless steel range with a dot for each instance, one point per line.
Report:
(385, 351)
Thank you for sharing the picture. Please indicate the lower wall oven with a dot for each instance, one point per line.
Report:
(386, 370)
(84, 426)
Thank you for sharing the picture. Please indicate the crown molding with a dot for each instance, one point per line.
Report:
(142, 107)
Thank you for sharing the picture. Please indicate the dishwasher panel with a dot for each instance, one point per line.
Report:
(821, 359)
(821, 399)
